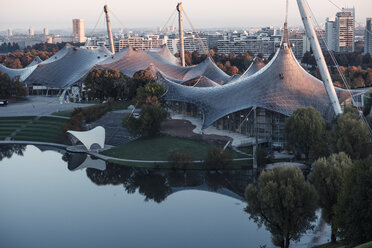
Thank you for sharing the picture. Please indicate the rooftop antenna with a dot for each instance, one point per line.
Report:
(182, 47)
(306, 19)
(109, 31)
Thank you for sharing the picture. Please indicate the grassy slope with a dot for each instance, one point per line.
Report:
(160, 148)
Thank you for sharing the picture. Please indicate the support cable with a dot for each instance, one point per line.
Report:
(117, 18)
(199, 39)
(95, 26)
(170, 17)
(344, 79)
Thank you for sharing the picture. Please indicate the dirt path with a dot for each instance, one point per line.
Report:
(183, 129)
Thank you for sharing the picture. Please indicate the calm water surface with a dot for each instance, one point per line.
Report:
(48, 199)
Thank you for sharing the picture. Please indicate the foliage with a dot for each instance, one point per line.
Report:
(149, 122)
(180, 160)
(150, 93)
(328, 178)
(217, 158)
(355, 67)
(284, 202)
(11, 87)
(88, 114)
(354, 208)
(350, 135)
(20, 59)
(304, 130)
(9, 47)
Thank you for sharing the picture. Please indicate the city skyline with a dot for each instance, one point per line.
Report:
(238, 13)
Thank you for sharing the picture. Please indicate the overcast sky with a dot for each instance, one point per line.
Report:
(21, 14)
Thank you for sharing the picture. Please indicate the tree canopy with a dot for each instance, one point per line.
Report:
(11, 87)
(284, 202)
(354, 208)
(328, 178)
(349, 134)
(305, 130)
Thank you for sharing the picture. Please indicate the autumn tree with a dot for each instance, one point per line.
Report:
(328, 178)
(284, 202)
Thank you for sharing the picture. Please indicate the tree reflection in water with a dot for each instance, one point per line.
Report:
(157, 185)
(7, 151)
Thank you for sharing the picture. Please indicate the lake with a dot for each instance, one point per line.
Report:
(53, 199)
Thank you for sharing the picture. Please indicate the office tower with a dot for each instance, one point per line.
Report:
(78, 30)
(31, 32)
(46, 32)
(10, 32)
(331, 34)
(345, 29)
(368, 37)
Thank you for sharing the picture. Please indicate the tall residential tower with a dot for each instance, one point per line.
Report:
(368, 37)
(78, 30)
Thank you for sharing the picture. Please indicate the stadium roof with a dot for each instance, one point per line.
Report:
(281, 86)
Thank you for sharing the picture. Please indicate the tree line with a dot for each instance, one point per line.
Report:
(11, 87)
(340, 181)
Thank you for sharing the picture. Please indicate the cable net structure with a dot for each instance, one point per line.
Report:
(281, 86)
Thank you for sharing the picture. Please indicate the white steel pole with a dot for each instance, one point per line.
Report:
(182, 46)
(306, 18)
(109, 31)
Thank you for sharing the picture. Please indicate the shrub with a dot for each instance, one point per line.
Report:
(180, 160)
(217, 158)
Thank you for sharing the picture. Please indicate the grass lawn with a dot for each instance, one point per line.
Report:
(9, 124)
(46, 129)
(160, 148)
(64, 113)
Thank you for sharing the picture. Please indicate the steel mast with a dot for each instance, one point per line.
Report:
(182, 46)
(109, 31)
(328, 84)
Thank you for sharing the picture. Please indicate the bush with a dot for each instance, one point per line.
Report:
(88, 114)
(180, 160)
(217, 158)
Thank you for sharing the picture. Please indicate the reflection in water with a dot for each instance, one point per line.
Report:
(157, 185)
(79, 161)
(7, 151)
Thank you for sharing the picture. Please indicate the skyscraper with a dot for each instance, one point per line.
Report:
(31, 32)
(345, 29)
(10, 32)
(46, 32)
(78, 30)
(330, 27)
(340, 31)
(368, 37)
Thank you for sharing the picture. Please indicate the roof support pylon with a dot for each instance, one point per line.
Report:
(328, 84)
(182, 46)
(109, 31)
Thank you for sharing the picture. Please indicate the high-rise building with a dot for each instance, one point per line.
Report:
(46, 32)
(10, 32)
(31, 32)
(330, 27)
(345, 29)
(340, 32)
(368, 37)
(78, 30)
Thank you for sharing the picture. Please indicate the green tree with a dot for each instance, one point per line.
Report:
(151, 117)
(350, 135)
(217, 158)
(354, 208)
(147, 93)
(328, 178)
(304, 130)
(284, 202)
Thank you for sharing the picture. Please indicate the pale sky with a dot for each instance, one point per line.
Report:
(21, 14)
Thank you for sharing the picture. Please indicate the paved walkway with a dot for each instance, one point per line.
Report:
(37, 106)
(112, 122)
(238, 139)
(2, 142)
